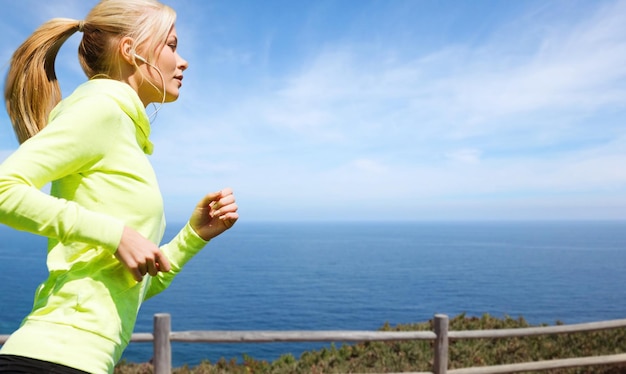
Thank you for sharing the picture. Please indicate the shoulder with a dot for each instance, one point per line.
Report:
(82, 120)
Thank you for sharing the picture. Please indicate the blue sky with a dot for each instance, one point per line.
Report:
(385, 110)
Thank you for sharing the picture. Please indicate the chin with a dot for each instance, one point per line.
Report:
(170, 98)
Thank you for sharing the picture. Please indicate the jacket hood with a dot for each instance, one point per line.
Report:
(129, 102)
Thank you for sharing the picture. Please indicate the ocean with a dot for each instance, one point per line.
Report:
(358, 276)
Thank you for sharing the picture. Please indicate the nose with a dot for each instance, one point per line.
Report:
(182, 63)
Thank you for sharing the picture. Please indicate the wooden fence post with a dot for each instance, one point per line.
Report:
(162, 345)
(440, 363)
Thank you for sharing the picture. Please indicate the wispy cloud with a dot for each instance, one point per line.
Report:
(524, 113)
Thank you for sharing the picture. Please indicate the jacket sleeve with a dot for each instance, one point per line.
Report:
(182, 248)
(72, 142)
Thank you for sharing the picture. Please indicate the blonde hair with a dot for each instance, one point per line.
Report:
(31, 88)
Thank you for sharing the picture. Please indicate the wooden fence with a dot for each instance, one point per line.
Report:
(163, 336)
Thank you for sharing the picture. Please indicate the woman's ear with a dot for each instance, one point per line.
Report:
(127, 50)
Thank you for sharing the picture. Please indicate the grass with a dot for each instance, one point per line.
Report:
(406, 356)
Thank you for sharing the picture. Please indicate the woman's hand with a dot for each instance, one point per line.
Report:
(214, 214)
(140, 256)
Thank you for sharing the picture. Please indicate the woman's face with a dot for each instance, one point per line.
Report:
(171, 67)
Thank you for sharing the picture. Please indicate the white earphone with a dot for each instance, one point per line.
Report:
(140, 58)
(153, 115)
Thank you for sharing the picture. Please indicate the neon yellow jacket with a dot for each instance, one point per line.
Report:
(94, 151)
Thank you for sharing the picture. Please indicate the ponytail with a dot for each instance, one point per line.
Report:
(31, 89)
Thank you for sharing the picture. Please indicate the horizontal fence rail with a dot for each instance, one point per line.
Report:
(295, 336)
(533, 331)
(543, 365)
(162, 337)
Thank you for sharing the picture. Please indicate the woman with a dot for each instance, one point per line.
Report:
(104, 214)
